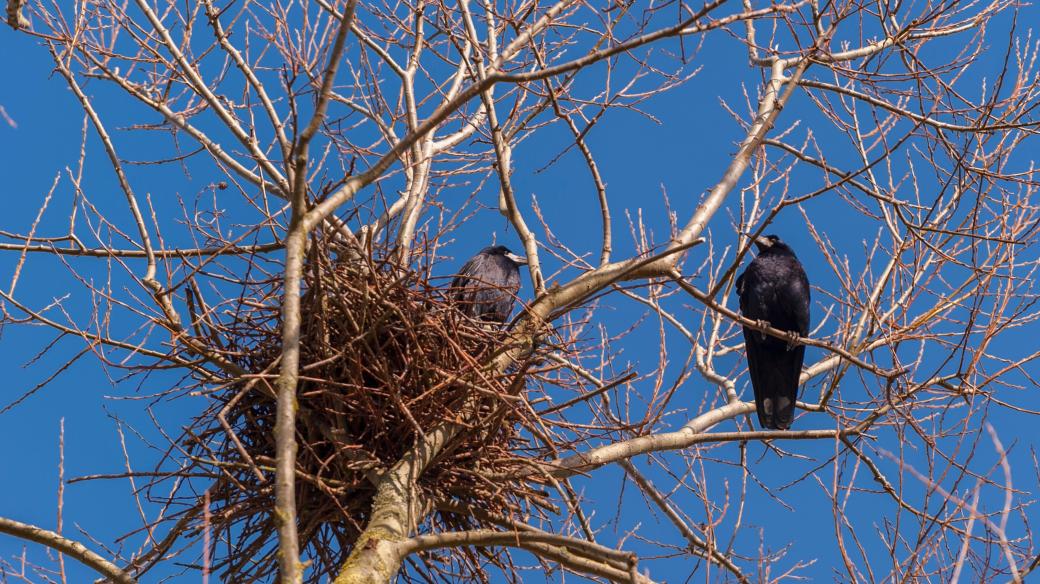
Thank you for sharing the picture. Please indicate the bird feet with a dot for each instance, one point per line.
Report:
(763, 323)
(793, 340)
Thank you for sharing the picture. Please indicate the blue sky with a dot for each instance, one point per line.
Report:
(681, 154)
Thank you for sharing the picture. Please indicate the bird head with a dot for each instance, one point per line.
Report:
(503, 251)
(764, 242)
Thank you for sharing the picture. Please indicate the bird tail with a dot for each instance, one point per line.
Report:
(787, 374)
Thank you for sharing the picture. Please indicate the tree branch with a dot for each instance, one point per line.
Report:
(71, 548)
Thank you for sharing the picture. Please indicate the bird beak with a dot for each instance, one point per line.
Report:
(761, 241)
(517, 259)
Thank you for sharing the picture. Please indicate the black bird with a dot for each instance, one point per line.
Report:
(487, 284)
(774, 289)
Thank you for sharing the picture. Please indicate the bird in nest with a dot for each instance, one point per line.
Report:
(485, 287)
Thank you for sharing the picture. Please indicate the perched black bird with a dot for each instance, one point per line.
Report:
(487, 284)
(774, 289)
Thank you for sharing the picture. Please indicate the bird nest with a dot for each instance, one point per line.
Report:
(385, 358)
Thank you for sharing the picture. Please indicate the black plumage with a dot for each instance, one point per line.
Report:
(774, 289)
(486, 285)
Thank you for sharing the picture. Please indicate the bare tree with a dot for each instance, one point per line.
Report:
(355, 426)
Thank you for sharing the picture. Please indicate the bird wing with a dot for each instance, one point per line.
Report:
(791, 313)
(507, 295)
(756, 359)
(748, 290)
(464, 288)
(472, 266)
(802, 298)
(789, 307)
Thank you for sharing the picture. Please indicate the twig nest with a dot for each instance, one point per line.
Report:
(385, 358)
